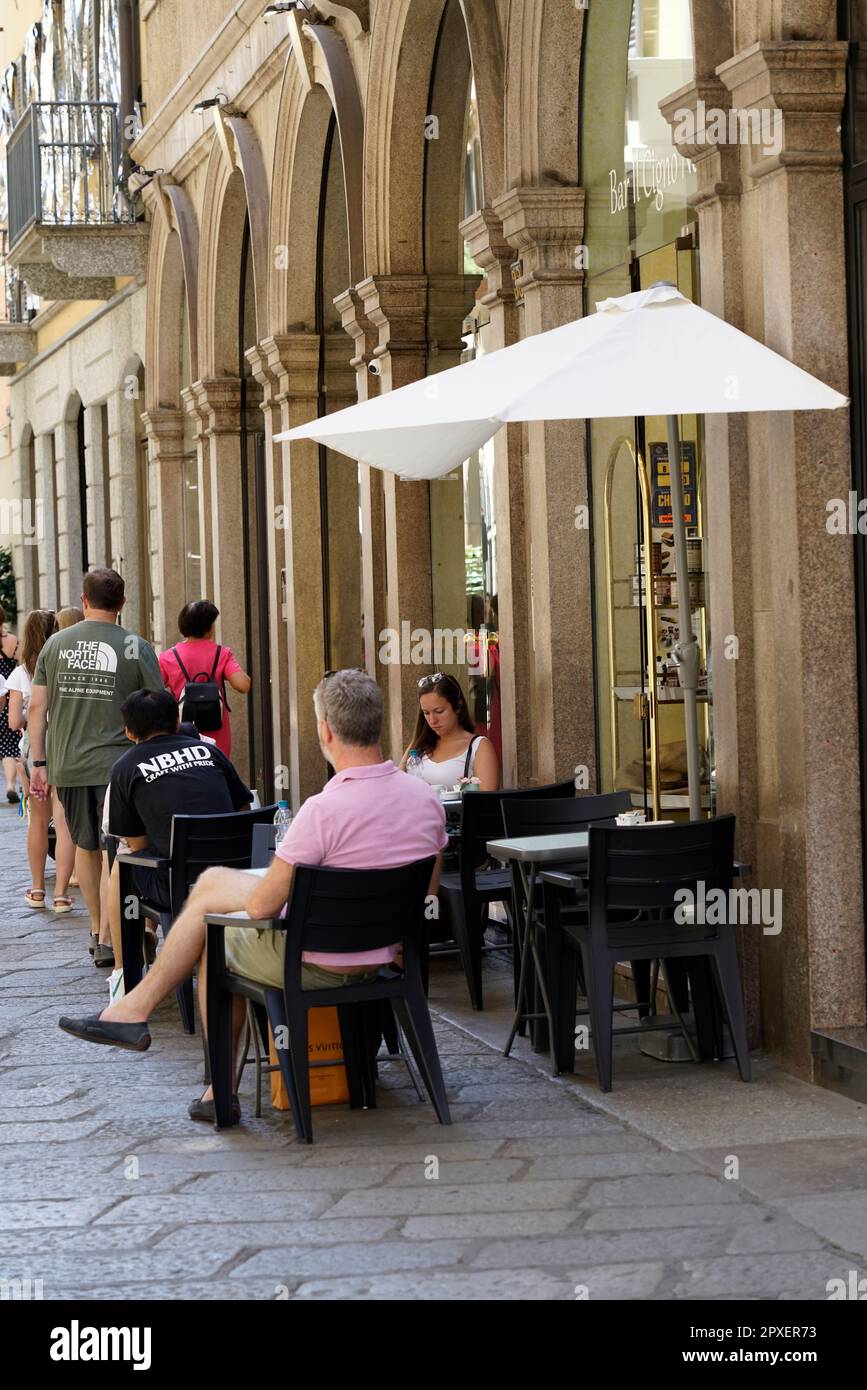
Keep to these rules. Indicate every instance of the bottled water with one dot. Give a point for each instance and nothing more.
(282, 820)
(413, 763)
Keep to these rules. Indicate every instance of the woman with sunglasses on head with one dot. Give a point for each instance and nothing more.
(447, 749)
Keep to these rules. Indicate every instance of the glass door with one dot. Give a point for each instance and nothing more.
(642, 742)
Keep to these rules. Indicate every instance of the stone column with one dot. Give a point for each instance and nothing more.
(365, 337)
(46, 492)
(344, 605)
(165, 437)
(489, 249)
(728, 543)
(265, 360)
(99, 549)
(196, 421)
(808, 823)
(69, 520)
(127, 508)
(397, 307)
(293, 362)
(218, 406)
(32, 537)
(545, 225)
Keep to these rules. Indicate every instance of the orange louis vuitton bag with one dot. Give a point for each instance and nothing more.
(328, 1085)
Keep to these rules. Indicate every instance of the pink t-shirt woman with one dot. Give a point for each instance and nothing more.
(197, 654)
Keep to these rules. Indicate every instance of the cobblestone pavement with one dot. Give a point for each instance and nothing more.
(109, 1191)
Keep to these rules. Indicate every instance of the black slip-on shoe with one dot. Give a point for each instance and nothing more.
(134, 1037)
(103, 956)
(204, 1110)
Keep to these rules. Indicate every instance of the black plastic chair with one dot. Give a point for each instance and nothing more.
(636, 873)
(197, 843)
(526, 816)
(332, 911)
(467, 893)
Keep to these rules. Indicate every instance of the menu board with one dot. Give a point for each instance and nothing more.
(660, 484)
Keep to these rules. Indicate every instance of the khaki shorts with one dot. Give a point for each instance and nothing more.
(258, 955)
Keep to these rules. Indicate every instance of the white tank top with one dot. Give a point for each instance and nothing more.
(451, 771)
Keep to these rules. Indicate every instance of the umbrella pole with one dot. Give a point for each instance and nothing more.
(686, 652)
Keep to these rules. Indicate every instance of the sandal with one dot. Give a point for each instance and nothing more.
(63, 903)
(35, 897)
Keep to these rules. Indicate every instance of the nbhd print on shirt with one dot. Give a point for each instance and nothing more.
(172, 774)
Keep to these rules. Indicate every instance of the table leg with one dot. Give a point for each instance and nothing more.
(520, 1011)
(561, 972)
(704, 1007)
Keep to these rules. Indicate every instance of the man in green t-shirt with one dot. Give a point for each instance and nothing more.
(83, 676)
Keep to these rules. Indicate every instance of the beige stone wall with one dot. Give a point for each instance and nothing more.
(96, 364)
(793, 787)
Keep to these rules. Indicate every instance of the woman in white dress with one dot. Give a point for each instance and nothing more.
(445, 750)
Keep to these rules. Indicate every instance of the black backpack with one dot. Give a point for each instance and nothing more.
(202, 700)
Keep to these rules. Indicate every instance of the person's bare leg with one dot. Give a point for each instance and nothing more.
(217, 890)
(104, 919)
(88, 863)
(10, 772)
(114, 913)
(64, 851)
(239, 1017)
(37, 842)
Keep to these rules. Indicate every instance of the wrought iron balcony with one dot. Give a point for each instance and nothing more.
(69, 209)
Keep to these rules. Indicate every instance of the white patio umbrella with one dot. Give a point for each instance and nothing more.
(613, 363)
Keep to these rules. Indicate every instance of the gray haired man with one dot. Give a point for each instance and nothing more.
(368, 816)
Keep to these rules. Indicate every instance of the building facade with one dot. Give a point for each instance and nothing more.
(72, 333)
(342, 198)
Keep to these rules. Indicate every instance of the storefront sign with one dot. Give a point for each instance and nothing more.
(660, 481)
(649, 177)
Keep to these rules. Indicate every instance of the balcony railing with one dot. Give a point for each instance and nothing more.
(63, 168)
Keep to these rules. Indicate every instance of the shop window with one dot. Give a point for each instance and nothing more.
(641, 229)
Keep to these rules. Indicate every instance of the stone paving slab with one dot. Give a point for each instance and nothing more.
(543, 1192)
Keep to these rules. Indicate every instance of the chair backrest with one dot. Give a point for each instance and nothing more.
(200, 842)
(482, 820)
(264, 847)
(349, 910)
(642, 868)
(533, 816)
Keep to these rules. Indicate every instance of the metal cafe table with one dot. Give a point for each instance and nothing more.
(531, 854)
(562, 860)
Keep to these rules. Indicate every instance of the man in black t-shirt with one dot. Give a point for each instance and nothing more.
(167, 773)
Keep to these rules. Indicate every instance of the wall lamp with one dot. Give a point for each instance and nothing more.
(207, 102)
(139, 178)
(285, 6)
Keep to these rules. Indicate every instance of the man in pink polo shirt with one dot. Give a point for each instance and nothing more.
(369, 816)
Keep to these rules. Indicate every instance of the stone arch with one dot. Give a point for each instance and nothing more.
(168, 292)
(305, 114)
(231, 195)
(74, 404)
(403, 50)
